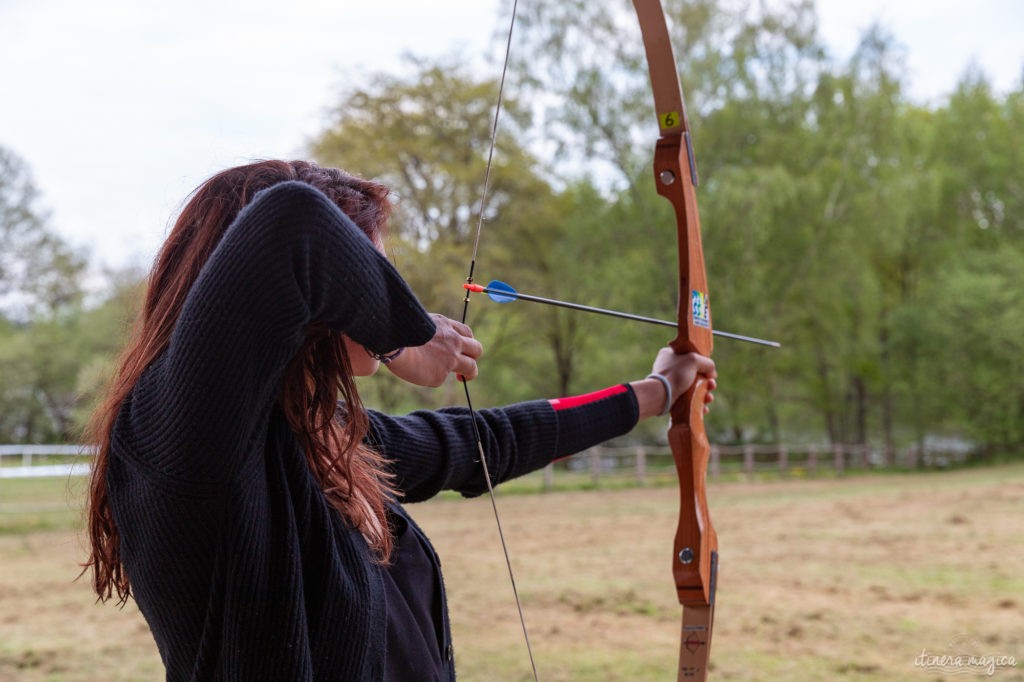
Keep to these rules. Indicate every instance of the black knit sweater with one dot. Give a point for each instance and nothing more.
(241, 568)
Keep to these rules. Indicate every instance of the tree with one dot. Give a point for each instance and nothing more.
(44, 331)
(427, 135)
(746, 72)
(39, 271)
(838, 217)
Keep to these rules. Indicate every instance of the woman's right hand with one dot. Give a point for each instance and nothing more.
(453, 349)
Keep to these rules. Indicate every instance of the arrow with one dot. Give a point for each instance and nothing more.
(499, 292)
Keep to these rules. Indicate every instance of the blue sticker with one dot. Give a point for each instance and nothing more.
(701, 309)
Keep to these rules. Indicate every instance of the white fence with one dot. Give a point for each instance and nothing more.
(636, 462)
(44, 461)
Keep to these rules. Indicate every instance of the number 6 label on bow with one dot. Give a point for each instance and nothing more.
(669, 120)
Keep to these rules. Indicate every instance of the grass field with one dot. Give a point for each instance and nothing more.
(841, 579)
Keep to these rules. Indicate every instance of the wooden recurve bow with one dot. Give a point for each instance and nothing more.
(695, 553)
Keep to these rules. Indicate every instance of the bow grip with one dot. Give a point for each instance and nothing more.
(696, 540)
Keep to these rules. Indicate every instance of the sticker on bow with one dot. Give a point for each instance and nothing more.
(701, 309)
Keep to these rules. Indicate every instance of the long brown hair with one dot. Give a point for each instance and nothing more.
(350, 474)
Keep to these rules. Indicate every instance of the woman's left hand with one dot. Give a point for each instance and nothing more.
(681, 371)
(453, 349)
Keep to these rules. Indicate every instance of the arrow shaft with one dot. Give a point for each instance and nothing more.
(616, 313)
(586, 308)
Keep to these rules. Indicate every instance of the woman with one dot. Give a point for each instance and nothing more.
(257, 520)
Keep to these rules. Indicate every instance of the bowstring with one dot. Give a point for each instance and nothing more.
(465, 310)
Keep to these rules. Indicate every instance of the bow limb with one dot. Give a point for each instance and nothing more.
(695, 554)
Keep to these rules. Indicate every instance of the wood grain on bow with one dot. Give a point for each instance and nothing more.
(695, 554)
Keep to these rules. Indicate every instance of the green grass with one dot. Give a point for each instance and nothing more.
(36, 504)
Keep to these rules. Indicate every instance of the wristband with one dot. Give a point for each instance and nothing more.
(668, 392)
(386, 358)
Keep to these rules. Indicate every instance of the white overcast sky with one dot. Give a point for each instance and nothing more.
(120, 108)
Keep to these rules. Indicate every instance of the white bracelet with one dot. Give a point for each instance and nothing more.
(668, 392)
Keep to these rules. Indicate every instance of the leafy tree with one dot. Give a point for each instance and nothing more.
(49, 338)
(428, 136)
(836, 213)
(881, 241)
(965, 326)
(747, 69)
(39, 272)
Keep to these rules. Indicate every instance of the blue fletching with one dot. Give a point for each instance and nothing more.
(499, 292)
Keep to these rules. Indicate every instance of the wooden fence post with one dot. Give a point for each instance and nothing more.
(837, 449)
(715, 467)
(812, 458)
(641, 465)
(549, 477)
(595, 466)
(783, 459)
(748, 459)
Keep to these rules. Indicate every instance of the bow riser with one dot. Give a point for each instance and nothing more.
(695, 549)
(673, 176)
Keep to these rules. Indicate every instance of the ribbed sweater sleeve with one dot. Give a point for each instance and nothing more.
(437, 450)
(289, 259)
